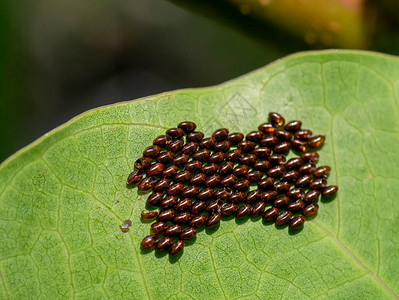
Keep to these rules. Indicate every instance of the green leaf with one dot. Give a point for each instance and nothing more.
(63, 198)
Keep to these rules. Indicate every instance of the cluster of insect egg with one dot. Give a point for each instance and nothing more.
(197, 181)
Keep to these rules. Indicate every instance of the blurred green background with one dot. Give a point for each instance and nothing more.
(61, 58)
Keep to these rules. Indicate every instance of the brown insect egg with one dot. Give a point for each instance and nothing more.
(234, 155)
(276, 171)
(237, 197)
(152, 151)
(267, 128)
(158, 227)
(173, 230)
(276, 119)
(266, 183)
(253, 196)
(155, 169)
(154, 199)
(195, 136)
(187, 126)
(182, 218)
(307, 168)
(303, 134)
(293, 126)
(244, 211)
(213, 180)
(277, 159)
(175, 188)
(229, 180)
(296, 206)
(323, 171)
(134, 177)
(209, 169)
(311, 196)
(143, 163)
(303, 181)
(198, 207)
(220, 134)
(330, 191)
(246, 146)
(222, 193)
(165, 157)
(213, 220)
(282, 201)
(241, 170)
(166, 215)
(316, 141)
(169, 201)
(164, 243)
(198, 221)
(269, 196)
(222, 146)
(242, 185)
(176, 247)
(189, 191)
(217, 157)
(254, 176)
(262, 152)
(297, 223)
(198, 179)
(283, 147)
(176, 133)
(258, 209)
(181, 159)
(295, 193)
(271, 214)
(208, 143)
(188, 233)
(254, 136)
(229, 209)
(193, 165)
(184, 204)
(282, 187)
(290, 176)
(147, 183)
(214, 206)
(170, 171)
(293, 163)
(283, 218)
(299, 146)
(235, 138)
(175, 145)
(248, 159)
(318, 184)
(148, 242)
(206, 193)
(262, 165)
(310, 156)
(189, 148)
(310, 210)
(125, 226)
(162, 140)
(283, 135)
(183, 176)
(269, 141)
(226, 168)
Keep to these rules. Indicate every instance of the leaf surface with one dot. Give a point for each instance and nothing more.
(63, 198)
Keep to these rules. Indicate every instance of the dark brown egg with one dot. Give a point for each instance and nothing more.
(155, 169)
(316, 141)
(175, 133)
(241, 170)
(234, 155)
(152, 151)
(206, 193)
(318, 184)
(330, 191)
(283, 147)
(266, 183)
(158, 227)
(173, 230)
(229, 180)
(165, 157)
(307, 168)
(276, 171)
(248, 159)
(154, 199)
(226, 168)
(276, 119)
(310, 156)
(182, 218)
(296, 193)
(293, 163)
(269, 141)
(175, 188)
(311, 196)
(195, 136)
(229, 209)
(162, 140)
(271, 214)
(282, 187)
(198, 179)
(303, 181)
(282, 201)
(222, 146)
(143, 163)
(213, 220)
(193, 165)
(208, 143)
(210, 169)
(299, 146)
(242, 185)
(303, 134)
(235, 138)
(220, 134)
(283, 218)
(267, 128)
(188, 233)
(269, 196)
(183, 176)
(187, 126)
(148, 215)
(198, 207)
(198, 221)
(164, 243)
(290, 176)
(147, 183)
(189, 148)
(148, 242)
(262, 152)
(161, 185)
(189, 191)
(262, 165)
(246, 146)
(181, 159)
(310, 210)
(293, 126)
(175, 145)
(166, 215)
(277, 159)
(222, 193)
(254, 176)
(253, 196)
(244, 211)
(176, 247)
(237, 197)
(213, 180)
(134, 177)
(169, 201)
(258, 208)
(184, 204)
(217, 157)
(297, 223)
(254, 136)
(283, 135)
(214, 206)
(323, 171)
(296, 206)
